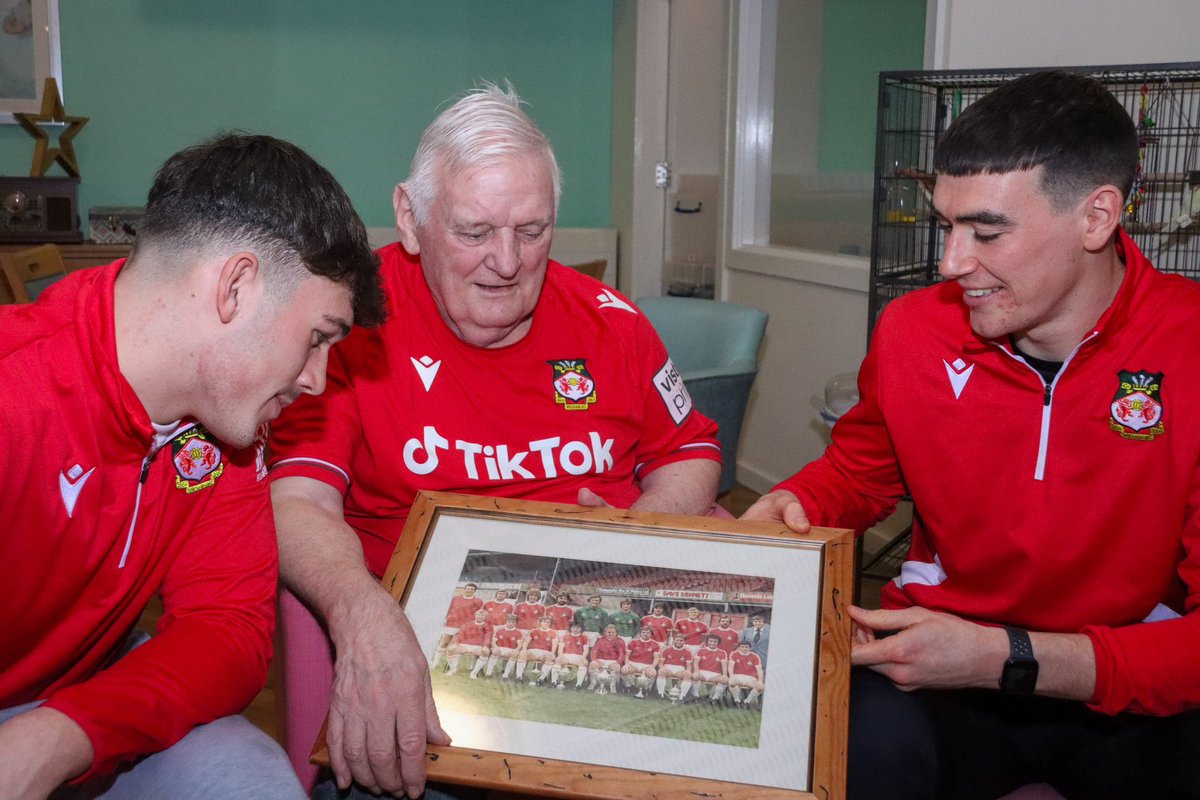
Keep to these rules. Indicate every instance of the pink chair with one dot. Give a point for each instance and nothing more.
(307, 682)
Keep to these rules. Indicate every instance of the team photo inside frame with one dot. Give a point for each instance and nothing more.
(532, 617)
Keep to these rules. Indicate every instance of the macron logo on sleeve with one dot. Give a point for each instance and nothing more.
(609, 300)
(71, 484)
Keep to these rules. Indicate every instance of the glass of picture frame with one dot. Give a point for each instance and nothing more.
(628, 720)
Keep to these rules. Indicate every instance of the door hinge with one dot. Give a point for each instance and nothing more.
(662, 175)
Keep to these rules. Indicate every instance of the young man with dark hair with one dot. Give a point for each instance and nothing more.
(132, 394)
(1035, 405)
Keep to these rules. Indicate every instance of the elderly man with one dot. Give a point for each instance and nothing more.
(498, 373)
(131, 397)
(1039, 407)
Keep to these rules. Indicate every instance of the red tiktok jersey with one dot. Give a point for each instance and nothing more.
(660, 627)
(744, 664)
(588, 398)
(642, 651)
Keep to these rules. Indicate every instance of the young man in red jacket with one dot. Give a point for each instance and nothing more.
(1040, 408)
(134, 407)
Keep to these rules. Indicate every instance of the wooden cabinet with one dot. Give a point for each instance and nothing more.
(79, 256)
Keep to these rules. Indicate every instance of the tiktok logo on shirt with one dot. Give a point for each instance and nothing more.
(422, 456)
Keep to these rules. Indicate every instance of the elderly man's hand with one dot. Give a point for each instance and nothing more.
(930, 650)
(587, 497)
(382, 712)
(780, 506)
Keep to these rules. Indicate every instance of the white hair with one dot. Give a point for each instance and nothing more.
(484, 126)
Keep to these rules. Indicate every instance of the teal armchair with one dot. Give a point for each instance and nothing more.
(714, 345)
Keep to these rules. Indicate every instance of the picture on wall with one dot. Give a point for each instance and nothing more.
(29, 54)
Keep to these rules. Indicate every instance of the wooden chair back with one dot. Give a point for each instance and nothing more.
(593, 269)
(28, 272)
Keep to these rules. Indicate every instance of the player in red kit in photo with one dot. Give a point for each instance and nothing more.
(726, 635)
(539, 648)
(498, 609)
(675, 663)
(506, 644)
(711, 667)
(641, 661)
(693, 628)
(471, 639)
(572, 654)
(745, 672)
(530, 610)
(561, 613)
(608, 653)
(659, 624)
(462, 610)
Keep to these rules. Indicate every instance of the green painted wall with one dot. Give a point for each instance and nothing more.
(352, 81)
(861, 39)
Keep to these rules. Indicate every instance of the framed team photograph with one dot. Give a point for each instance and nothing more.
(588, 652)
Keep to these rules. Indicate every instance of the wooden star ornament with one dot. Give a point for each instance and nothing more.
(52, 111)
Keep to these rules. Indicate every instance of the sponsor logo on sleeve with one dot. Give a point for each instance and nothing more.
(197, 460)
(670, 387)
(574, 388)
(1136, 411)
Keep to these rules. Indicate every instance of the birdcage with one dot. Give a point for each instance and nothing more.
(1162, 212)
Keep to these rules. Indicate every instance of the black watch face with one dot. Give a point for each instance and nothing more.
(1019, 677)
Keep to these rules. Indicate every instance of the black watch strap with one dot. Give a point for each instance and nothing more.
(1019, 644)
(1021, 669)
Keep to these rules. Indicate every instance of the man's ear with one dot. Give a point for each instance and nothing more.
(239, 283)
(406, 220)
(1103, 211)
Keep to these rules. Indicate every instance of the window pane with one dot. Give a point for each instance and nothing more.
(828, 56)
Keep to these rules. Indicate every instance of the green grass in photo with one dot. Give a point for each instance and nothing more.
(649, 716)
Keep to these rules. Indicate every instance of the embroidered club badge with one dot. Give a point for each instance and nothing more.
(1137, 410)
(574, 388)
(197, 460)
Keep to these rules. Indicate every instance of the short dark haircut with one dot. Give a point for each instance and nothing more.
(1066, 123)
(266, 192)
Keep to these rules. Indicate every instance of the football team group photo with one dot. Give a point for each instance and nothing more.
(645, 650)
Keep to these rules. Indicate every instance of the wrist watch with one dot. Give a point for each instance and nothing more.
(1021, 669)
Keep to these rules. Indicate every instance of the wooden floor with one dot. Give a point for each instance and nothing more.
(264, 713)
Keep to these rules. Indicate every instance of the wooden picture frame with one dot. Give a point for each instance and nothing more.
(29, 54)
(792, 746)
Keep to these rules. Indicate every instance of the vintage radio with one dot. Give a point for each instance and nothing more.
(39, 210)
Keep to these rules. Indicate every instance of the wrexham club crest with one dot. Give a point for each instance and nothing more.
(574, 388)
(197, 460)
(1137, 409)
